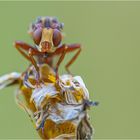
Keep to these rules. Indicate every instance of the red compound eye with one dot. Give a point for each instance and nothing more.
(57, 37)
(37, 35)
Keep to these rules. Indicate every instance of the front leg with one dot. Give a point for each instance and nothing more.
(70, 48)
(28, 52)
(37, 74)
(63, 52)
(31, 53)
(24, 48)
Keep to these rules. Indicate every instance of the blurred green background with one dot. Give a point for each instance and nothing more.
(109, 63)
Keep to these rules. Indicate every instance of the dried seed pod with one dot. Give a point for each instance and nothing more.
(57, 109)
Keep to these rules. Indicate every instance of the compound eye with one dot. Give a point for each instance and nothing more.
(37, 35)
(57, 37)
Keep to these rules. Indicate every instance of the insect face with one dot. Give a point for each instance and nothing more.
(46, 33)
(47, 39)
